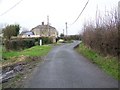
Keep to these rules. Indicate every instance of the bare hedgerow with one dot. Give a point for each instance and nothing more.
(103, 37)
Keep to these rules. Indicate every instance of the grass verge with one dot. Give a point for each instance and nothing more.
(29, 58)
(108, 64)
(11, 57)
(33, 51)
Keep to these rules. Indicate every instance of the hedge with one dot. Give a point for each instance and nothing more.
(45, 40)
(22, 43)
(19, 44)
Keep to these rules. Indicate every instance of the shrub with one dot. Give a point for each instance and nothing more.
(18, 44)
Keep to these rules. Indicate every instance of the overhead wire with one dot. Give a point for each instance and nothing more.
(11, 8)
(80, 13)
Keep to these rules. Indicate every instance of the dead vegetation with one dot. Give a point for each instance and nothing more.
(103, 36)
(21, 71)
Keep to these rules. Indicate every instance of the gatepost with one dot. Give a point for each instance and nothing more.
(40, 42)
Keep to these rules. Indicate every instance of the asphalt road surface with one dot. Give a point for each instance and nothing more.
(65, 68)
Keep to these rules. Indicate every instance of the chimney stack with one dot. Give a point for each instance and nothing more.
(42, 23)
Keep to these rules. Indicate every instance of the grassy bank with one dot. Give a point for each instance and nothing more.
(28, 58)
(34, 51)
(12, 56)
(21, 77)
(108, 64)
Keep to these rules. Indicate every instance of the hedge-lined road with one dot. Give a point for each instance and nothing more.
(64, 68)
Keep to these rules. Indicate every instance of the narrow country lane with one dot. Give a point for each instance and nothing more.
(65, 68)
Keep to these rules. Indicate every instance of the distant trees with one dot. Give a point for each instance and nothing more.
(62, 36)
(70, 37)
(103, 37)
(11, 30)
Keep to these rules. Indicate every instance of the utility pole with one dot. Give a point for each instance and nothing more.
(96, 17)
(63, 31)
(119, 16)
(66, 29)
(119, 26)
(48, 25)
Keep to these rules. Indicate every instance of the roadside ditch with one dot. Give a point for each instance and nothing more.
(13, 76)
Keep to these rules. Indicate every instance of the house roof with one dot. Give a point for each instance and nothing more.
(27, 33)
(43, 27)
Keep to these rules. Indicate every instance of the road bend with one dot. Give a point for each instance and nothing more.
(65, 68)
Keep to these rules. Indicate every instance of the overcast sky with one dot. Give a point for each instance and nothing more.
(30, 13)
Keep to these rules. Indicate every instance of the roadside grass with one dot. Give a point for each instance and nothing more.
(11, 57)
(37, 51)
(33, 51)
(0, 48)
(109, 64)
(28, 58)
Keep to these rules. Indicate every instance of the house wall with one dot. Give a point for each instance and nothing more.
(43, 31)
(36, 31)
(28, 36)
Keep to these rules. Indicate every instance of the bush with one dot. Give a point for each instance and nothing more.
(19, 44)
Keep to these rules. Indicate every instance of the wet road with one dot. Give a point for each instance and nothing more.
(65, 68)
